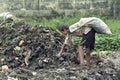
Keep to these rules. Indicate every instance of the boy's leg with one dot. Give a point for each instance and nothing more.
(88, 50)
(81, 55)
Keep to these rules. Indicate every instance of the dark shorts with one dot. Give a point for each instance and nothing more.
(90, 39)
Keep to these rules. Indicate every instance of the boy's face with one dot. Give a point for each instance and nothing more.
(64, 32)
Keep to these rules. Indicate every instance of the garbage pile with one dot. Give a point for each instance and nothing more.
(29, 53)
(22, 43)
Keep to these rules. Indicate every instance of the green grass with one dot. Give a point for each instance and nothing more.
(54, 22)
(114, 25)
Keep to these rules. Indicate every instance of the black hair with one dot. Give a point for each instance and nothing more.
(61, 27)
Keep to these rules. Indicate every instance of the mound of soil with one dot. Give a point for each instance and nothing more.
(29, 52)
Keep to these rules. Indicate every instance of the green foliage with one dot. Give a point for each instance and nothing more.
(76, 40)
(1, 18)
(107, 42)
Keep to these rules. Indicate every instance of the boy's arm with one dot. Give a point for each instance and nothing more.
(63, 46)
(60, 53)
(78, 34)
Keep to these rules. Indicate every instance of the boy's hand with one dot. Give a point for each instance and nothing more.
(58, 55)
(82, 42)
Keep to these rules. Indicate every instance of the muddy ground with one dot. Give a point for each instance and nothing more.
(29, 53)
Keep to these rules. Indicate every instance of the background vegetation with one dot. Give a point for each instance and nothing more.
(103, 41)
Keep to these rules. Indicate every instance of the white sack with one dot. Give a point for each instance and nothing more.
(97, 24)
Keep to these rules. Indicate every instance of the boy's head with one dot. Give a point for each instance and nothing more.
(63, 29)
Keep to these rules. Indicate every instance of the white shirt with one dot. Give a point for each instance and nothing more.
(80, 26)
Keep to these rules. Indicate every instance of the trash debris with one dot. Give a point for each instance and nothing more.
(6, 15)
(12, 78)
(4, 68)
(30, 53)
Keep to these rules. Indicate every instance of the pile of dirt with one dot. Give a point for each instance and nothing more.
(21, 41)
(29, 53)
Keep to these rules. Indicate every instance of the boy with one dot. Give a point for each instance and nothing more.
(88, 40)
